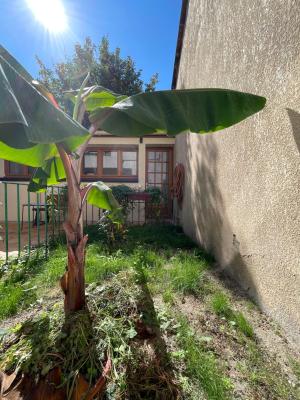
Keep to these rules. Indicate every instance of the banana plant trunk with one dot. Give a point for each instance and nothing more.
(73, 282)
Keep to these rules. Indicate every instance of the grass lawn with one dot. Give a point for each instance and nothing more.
(157, 309)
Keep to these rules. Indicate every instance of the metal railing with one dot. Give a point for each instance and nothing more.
(30, 220)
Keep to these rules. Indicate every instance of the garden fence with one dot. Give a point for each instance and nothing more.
(29, 220)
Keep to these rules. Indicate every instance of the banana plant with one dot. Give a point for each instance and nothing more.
(35, 132)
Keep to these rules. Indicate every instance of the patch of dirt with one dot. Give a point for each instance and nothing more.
(223, 344)
(233, 350)
(51, 297)
(269, 334)
(18, 318)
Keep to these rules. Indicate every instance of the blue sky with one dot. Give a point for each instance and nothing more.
(144, 29)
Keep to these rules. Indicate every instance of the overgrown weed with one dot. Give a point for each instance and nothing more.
(199, 368)
(265, 375)
(221, 305)
(187, 273)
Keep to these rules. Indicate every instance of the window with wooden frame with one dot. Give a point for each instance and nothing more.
(17, 171)
(111, 163)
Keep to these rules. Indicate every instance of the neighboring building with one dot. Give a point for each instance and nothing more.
(136, 162)
(242, 191)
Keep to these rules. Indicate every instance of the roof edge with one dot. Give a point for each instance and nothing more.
(181, 31)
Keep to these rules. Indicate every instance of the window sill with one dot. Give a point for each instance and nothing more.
(83, 179)
(134, 179)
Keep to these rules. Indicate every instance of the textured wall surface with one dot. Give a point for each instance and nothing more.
(242, 192)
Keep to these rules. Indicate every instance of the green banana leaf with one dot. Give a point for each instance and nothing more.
(51, 173)
(175, 111)
(100, 195)
(36, 155)
(29, 124)
(94, 97)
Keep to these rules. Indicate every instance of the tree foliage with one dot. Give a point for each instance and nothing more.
(107, 68)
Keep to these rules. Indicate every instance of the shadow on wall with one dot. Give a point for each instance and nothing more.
(295, 122)
(204, 214)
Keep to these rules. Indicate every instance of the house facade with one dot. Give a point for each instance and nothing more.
(136, 162)
(242, 191)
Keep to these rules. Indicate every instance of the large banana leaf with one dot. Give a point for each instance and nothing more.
(29, 124)
(175, 111)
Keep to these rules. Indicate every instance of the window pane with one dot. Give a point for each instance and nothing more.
(129, 163)
(151, 167)
(110, 163)
(150, 178)
(158, 167)
(158, 179)
(90, 163)
(159, 156)
(129, 168)
(151, 155)
(129, 155)
(16, 169)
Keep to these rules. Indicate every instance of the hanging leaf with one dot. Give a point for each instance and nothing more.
(100, 195)
(51, 173)
(29, 124)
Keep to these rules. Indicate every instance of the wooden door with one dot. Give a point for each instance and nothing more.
(159, 173)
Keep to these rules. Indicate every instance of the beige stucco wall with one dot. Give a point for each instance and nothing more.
(242, 193)
(92, 213)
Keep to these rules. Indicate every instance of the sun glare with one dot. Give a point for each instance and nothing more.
(49, 13)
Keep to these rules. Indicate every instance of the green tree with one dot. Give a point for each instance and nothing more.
(107, 68)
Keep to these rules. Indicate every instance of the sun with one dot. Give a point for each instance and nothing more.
(50, 13)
